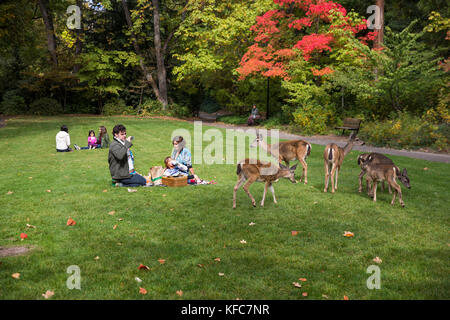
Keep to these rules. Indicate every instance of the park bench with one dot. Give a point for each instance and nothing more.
(350, 124)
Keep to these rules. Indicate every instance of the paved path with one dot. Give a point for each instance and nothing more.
(341, 141)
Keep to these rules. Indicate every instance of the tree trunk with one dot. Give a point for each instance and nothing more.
(379, 39)
(160, 67)
(147, 73)
(78, 43)
(48, 21)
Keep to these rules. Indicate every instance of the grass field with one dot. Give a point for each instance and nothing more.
(192, 226)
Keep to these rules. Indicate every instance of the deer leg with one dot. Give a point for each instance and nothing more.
(241, 180)
(305, 170)
(375, 185)
(264, 194)
(397, 189)
(246, 186)
(382, 186)
(337, 174)
(361, 175)
(327, 176)
(333, 171)
(389, 188)
(273, 193)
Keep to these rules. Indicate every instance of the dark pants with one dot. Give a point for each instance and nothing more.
(136, 180)
(65, 150)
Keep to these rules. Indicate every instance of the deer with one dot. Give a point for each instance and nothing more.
(333, 157)
(287, 151)
(251, 170)
(383, 172)
(378, 158)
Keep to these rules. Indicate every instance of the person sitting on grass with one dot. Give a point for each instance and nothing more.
(103, 138)
(121, 160)
(92, 142)
(176, 169)
(63, 140)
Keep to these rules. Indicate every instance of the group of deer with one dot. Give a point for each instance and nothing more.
(376, 167)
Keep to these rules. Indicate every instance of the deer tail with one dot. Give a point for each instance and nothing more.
(397, 171)
(308, 149)
(238, 169)
(330, 154)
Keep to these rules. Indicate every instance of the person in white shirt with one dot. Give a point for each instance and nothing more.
(63, 140)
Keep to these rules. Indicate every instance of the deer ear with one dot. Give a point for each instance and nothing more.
(404, 172)
(359, 159)
(293, 167)
(282, 166)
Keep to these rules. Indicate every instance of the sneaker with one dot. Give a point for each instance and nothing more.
(118, 184)
(77, 147)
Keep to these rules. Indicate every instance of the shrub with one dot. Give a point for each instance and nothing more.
(406, 131)
(233, 119)
(13, 103)
(46, 107)
(151, 107)
(114, 107)
(313, 119)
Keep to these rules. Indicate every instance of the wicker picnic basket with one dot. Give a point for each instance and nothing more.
(175, 181)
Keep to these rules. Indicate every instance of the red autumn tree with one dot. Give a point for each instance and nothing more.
(309, 29)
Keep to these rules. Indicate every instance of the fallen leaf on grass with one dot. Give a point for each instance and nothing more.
(217, 259)
(425, 169)
(96, 258)
(48, 190)
(111, 213)
(9, 192)
(377, 260)
(325, 296)
(302, 279)
(305, 294)
(143, 267)
(142, 291)
(221, 274)
(294, 233)
(200, 265)
(164, 195)
(48, 294)
(243, 241)
(348, 234)
(138, 280)
(296, 284)
(179, 292)
(115, 227)
(71, 222)
(30, 226)
(251, 224)
(23, 236)
(105, 190)
(161, 261)
(132, 190)
(120, 219)
(345, 298)
(16, 275)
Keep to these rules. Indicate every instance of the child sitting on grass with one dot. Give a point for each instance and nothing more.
(176, 169)
(92, 140)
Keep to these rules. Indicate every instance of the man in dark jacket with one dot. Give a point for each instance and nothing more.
(121, 161)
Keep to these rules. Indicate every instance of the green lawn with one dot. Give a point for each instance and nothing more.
(196, 224)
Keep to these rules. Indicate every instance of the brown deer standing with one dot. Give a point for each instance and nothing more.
(287, 151)
(251, 170)
(333, 157)
(378, 158)
(384, 172)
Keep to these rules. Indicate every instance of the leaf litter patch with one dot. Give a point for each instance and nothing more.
(13, 251)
